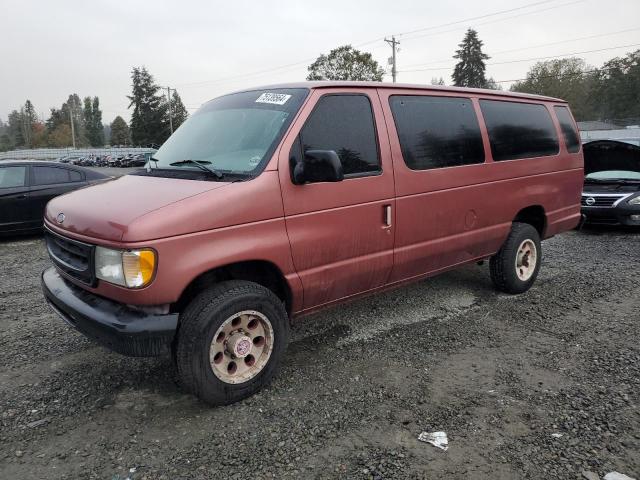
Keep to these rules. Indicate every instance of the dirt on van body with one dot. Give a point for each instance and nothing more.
(541, 385)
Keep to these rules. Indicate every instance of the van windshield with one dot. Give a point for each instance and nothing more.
(233, 134)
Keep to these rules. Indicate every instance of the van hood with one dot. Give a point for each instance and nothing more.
(109, 210)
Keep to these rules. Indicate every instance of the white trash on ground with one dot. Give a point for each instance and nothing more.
(556, 435)
(617, 476)
(438, 439)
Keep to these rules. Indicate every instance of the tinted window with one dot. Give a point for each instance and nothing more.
(75, 176)
(344, 123)
(436, 132)
(11, 177)
(571, 137)
(519, 130)
(49, 175)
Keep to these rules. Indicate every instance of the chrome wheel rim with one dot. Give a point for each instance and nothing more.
(526, 260)
(241, 347)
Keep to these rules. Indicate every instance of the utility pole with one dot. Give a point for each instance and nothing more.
(170, 112)
(393, 42)
(73, 129)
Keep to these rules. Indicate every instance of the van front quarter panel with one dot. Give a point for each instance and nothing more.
(237, 223)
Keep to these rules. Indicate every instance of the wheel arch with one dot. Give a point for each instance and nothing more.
(262, 272)
(535, 216)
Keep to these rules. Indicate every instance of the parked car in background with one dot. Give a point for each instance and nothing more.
(138, 160)
(26, 187)
(611, 194)
(267, 204)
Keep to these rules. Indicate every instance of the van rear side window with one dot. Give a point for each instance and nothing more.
(571, 137)
(519, 130)
(437, 132)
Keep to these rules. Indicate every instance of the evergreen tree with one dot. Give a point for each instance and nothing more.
(178, 111)
(346, 63)
(29, 119)
(119, 132)
(15, 130)
(148, 120)
(470, 69)
(97, 129)
(87, 114)
(93, 121)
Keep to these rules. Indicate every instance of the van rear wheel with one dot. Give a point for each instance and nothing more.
(515, 267)
(231, 341)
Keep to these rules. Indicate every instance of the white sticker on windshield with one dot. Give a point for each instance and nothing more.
(274, 98)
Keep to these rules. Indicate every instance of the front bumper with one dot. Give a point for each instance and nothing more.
(618, 215)
(114, 325)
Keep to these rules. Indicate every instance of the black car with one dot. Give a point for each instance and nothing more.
(611, 193)
(27, 186)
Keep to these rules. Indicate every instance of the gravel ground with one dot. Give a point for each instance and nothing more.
(499, 374)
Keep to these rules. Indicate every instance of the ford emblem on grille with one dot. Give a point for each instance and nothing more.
(60, 217)
(589, 201)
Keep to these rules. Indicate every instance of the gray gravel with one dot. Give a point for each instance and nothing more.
(499, 374)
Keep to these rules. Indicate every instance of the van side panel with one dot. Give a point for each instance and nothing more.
(447, 216)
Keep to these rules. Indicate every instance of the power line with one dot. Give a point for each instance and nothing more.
(306, 61)
(534, 46)
(497, 20)
(573, 74)
(433, 27)
(530, 59)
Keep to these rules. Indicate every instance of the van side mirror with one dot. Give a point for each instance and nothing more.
(318, 166)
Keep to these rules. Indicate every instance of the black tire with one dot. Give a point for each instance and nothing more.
(503, 264)
(200, 321)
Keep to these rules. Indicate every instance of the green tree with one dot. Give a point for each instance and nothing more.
(15, 130)
(437, 81)
(470, 69)
(148, 120)
(93, 121)
(178, 111)
(119, 132)
(565, 78)
(617, 88)
(29, 120)
(346, 63)
(74, 109)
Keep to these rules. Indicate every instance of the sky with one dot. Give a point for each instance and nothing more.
(205, 48)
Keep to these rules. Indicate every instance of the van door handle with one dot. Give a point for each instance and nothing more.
(387, 216)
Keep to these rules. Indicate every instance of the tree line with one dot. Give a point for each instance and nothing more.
(611, 92)
(82, 120)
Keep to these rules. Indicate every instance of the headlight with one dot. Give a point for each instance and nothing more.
(127, 268)
(635, 200)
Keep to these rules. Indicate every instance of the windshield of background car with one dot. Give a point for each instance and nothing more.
(234, 134)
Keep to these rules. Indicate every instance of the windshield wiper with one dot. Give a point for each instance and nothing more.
(200, 165)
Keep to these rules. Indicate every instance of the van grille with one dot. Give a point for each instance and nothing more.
(599, 200)
(71, 256)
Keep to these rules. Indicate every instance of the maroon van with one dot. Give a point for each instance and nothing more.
(278, 201)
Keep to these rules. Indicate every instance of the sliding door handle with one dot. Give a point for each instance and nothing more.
(387, 216)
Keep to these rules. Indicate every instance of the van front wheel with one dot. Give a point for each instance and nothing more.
(231, 340)
(515, 267)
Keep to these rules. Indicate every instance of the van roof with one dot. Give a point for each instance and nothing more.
(406, 86)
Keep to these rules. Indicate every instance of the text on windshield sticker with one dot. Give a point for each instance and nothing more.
(274, 98)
